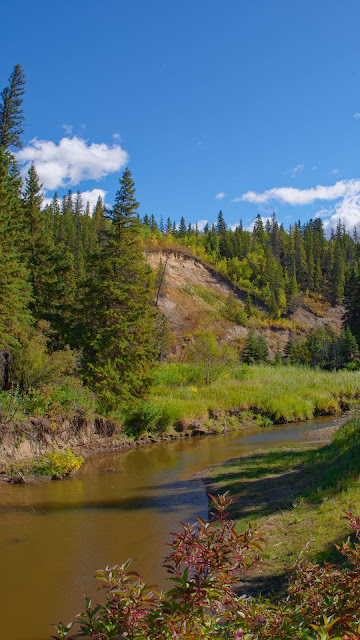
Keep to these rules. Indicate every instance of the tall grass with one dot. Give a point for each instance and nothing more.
(284, 394)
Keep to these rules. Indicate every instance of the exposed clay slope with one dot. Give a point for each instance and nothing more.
(193, 294)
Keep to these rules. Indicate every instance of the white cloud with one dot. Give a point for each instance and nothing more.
(90, 197)
(116, 136)
(296, 170)
(220, 196)
(67, 128)
(201, 224)
(356, 115)
(264, 221)
(347, 211)
(333, 172)
(293, 196)
(71, 161)
(344, 193)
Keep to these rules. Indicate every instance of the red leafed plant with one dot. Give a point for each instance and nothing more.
(205, 563)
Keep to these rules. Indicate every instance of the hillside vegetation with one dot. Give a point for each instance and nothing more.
(87, 326)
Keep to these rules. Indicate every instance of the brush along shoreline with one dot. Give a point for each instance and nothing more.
(23, 446)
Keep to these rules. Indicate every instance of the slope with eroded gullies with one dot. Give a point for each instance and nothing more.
(194, 295)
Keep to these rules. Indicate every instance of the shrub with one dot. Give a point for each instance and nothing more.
(55, 464)
(34, 366)
(214, 358)
(204, 564)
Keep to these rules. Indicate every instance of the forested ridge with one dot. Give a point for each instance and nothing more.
(78, 319)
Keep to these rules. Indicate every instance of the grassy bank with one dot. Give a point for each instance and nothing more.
(296, 497)
(280, 394)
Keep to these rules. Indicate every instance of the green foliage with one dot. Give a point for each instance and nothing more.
(176, 374)
(352, 306)
(34, 365)
(324, 348)
(214, 358)
(301, 392)
(10, 405)
(66, 396)
(235, 312)
(118, 316)
(15, 318)
(55, 464)
(255, 348)
(11, 114)
(149, 416)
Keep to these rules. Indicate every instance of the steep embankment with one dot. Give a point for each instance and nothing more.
(193, 294)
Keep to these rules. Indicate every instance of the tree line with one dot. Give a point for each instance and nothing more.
(70, 276)
(272, 263)
(74, 281)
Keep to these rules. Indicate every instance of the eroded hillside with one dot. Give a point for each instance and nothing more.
(193, 295)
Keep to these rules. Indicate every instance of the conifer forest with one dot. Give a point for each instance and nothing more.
(121, 328)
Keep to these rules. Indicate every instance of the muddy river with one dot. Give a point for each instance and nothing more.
(53, 536)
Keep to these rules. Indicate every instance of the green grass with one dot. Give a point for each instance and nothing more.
(283, 394)
(296, 497)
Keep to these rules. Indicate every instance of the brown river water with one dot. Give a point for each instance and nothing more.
(53, 536)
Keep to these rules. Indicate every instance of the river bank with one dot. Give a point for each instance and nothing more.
(25, 445)
(55, 535)
(296, 496)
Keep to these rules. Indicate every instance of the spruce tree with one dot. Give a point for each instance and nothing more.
(348, 346)
(221, 224)
(11, 113)
(15, 318)
(182, 228)
(338, 275)
(119, 317)
(42, 257)
(352, 309)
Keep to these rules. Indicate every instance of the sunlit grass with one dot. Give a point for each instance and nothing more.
(296, 497)
(285, 394)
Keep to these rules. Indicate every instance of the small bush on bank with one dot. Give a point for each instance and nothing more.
(205, 563)
(55, 464)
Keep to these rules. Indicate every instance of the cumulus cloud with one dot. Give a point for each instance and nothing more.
(344, 193)
(347, 211)
(264, 221)
(220, 196)
(71, 160)
(90, 197)
(201, 224)
(294, 196)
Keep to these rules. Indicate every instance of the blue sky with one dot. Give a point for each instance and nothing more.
(254, 101)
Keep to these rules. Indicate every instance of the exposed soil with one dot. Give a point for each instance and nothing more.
(186, 311)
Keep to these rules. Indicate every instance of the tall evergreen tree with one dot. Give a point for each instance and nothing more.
(119, 316)
(352, 309)
(11, 113)
(42, 257)
(221, 224)
(15, 319)
(182, 228)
